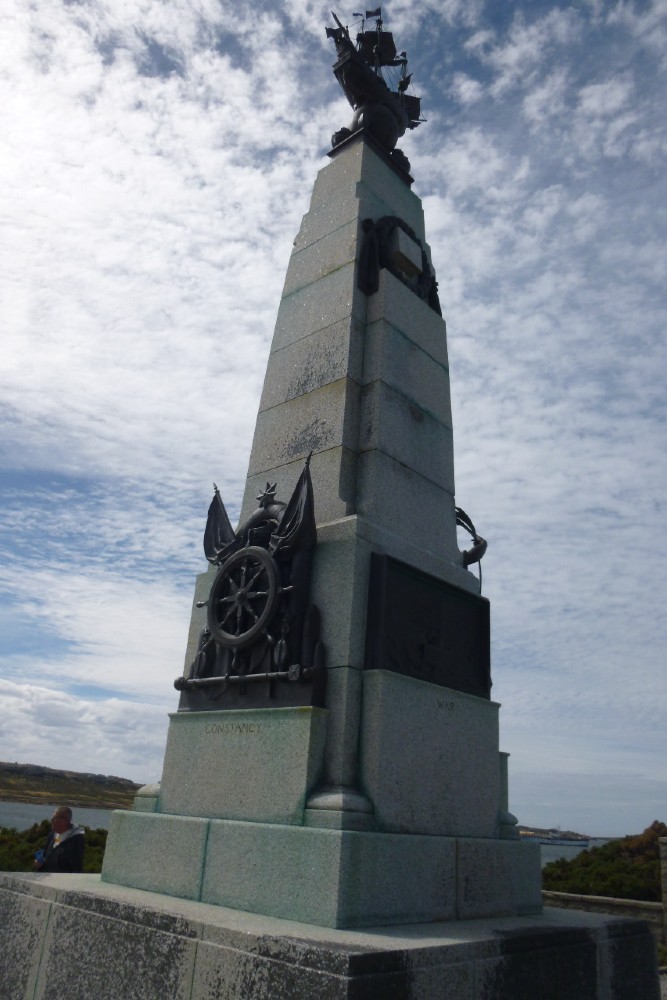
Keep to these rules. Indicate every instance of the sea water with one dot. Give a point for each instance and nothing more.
(22, 815)
(554, 852)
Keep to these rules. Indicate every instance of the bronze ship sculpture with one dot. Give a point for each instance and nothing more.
(381, 103)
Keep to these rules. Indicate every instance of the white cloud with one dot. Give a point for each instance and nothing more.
(104, 736)
(465, 89)
(546, 101)
(155, 165)
(600, 100)
(518, 57)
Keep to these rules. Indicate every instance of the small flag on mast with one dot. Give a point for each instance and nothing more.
(218, 532)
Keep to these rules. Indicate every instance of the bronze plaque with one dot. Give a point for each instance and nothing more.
(424, 628)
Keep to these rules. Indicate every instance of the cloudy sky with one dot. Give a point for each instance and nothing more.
(155, 161)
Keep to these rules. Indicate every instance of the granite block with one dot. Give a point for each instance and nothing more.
(398, 361)
(341, 565)
(484, 878)
(631, 960)
(405, 311)
(381, 192)
(86, 955)
(334, 476)
(248, 764)
(446, 982)
(336, 249)
(388, 879)
(315, 361)
(403, 430)
(387, 541)
(160, 853)
(330, 878)
(429, 757)
(334, 202)
(525, 867)
(279, 941)
(156, 911)
(357, 183)
(230, 974)
(276, 870)
(22, 928)
(550, 964)
(110, 942)
(325, 418)
(386, 487)
(333, 298)
(29, 884)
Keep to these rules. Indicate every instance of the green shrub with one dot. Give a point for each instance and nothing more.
(627, 868)
(17, 848)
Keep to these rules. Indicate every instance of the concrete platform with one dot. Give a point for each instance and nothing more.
(75, 938)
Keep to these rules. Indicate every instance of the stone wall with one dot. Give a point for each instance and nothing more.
(652, 913)
(74, 937)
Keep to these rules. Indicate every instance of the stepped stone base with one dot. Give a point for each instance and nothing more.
(74, 937)
(328, 877)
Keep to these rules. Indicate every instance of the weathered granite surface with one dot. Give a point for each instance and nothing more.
(92, 940)
(322, 874)
(429, 757)
(253, 765)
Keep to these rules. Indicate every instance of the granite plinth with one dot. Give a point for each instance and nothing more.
(250, 764)
(102, 941)
(319, 875)
(157, 852)
(429, 757)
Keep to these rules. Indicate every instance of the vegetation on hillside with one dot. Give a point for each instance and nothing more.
(17, 849)
(39, 785)
(626, 869)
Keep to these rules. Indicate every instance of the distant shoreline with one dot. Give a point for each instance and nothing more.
(34, 784)
(535, 832)
(75, 801)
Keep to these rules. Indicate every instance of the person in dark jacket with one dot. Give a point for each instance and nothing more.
(63, 851)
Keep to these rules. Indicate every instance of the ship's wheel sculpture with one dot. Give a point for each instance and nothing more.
(260, 623)
(244, 598)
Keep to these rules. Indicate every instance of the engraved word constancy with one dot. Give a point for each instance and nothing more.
(224, 728)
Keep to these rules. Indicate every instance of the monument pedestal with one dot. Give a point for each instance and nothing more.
(238, 822)
(327, 877)
(74, 937)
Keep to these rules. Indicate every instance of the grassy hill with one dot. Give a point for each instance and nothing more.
(37, 784)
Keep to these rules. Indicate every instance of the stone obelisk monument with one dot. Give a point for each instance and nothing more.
(332, 819)
(357, 781)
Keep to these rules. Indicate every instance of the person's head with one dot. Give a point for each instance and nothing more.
(61, 819)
